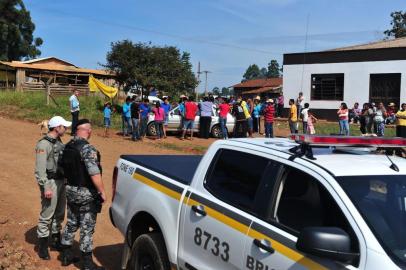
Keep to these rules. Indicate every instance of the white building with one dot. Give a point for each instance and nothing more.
(371, 72)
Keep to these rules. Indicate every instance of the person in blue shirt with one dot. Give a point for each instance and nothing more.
(107, 118)
(167, 107)
(126, 117)
(144, 112)
(257, 114)
(182, 101)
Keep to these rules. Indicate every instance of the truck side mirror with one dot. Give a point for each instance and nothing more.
(327, 242)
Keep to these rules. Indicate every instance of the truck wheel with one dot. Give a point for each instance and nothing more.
(149, 252)
(216, 132)
(151, 129)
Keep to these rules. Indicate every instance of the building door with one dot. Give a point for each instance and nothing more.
(385, 88)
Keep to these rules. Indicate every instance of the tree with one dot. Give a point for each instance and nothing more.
(144, 65)
(274, 71)
(216, 91)
(252, 72)
(398, 25)
(263, 73)
(225, 92)
(16, 32)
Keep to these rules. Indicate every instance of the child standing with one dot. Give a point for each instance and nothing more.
(305, 116)
(159, 117)
(107, 118)
(311, 119)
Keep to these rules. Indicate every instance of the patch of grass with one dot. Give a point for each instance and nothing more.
(32, 107)
(197, 149)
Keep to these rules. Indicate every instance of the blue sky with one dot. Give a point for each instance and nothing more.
(226, 36)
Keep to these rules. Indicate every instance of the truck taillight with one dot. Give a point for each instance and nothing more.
(114, 183)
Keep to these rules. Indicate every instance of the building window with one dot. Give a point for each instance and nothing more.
(327, 86)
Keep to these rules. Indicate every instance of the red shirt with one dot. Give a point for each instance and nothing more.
(224, 109)
(190, 110)
(269, 113)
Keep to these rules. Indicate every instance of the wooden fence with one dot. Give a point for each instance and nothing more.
(56, 89)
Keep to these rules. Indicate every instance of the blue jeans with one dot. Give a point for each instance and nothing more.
(223, 122)
(159, 129)
(126, 125)
(143, 124)
(304, 127)
(344, 127)
(268, 130)
(136, 131)
(380, 128)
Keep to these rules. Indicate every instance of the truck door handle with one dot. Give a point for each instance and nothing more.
(199, 209)
(264, 244)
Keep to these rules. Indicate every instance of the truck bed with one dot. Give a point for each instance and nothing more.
(177, 167)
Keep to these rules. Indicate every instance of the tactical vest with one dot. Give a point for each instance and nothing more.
(74, 166)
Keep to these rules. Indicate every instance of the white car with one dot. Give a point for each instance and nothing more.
(174, 123)
(260, 204)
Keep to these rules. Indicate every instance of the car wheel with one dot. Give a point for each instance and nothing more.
(151, 129)
(216, 132)
(149, 252)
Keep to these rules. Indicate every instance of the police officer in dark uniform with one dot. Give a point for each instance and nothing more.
(84, 193)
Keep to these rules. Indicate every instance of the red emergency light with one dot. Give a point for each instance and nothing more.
(351, 141)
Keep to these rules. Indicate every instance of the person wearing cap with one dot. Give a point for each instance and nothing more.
(51, 184)
(85, 195)
(269, 115)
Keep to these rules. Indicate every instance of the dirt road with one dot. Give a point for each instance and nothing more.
(20, 197)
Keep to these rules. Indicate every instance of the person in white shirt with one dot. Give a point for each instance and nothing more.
(74, 110)
(300, 103)
(305, 116)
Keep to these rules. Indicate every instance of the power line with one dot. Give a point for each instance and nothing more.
(195, 40)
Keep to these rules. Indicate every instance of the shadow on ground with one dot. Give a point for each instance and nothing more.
(109, 256)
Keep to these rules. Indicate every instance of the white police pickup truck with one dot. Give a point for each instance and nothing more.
(263, 204)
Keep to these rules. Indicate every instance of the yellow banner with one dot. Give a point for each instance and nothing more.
(96, 85)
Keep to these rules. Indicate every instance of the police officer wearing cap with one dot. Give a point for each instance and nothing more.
(85, 195)
(51, 183)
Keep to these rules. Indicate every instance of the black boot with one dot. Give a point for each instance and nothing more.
(43, 248)
(56, 241)
(87, 262)
(67, 256)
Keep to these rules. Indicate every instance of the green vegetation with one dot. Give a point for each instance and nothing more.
(32, 107)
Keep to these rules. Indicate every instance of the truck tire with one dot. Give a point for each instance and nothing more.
(151, 129)
(216, 132)
(149, 252)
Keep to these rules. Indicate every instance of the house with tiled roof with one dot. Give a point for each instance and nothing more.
(372, 72)
(267, 87)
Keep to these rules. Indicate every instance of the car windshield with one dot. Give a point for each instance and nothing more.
(381, 200)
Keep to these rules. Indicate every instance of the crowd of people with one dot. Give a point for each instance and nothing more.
(248, 113)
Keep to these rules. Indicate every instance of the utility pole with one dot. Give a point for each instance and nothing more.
(205, 84)
(198, 81)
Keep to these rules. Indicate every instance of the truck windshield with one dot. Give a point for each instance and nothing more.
(381, 200)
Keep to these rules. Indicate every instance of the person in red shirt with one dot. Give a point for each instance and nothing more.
(190, 114)
(269, 114)
(224, 109)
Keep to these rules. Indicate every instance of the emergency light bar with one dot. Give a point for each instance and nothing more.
(351, 141)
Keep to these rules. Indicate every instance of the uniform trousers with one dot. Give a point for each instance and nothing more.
(52, 210)
(80, 216)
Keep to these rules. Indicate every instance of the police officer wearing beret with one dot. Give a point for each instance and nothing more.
(51, 183)
(85, 195)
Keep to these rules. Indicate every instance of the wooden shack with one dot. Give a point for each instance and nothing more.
(60, 76)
